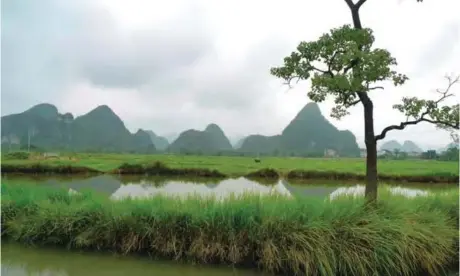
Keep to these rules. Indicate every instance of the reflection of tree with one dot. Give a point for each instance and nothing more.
(143, 180)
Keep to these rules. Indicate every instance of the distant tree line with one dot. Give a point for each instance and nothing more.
(451, 154)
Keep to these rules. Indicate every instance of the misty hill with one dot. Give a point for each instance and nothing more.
(391, 145)
(142, 142)
(239, 143)
(448, 146)
(260, 144)
(407, 146)
(98, 130)
(161, 143)
(211, 140)
(309, 133)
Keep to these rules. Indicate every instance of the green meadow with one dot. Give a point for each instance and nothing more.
(239, 166)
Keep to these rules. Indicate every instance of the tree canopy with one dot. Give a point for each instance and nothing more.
(344, 64)
(328, 63)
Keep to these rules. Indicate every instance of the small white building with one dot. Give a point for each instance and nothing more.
(51, 154)
(330, 153)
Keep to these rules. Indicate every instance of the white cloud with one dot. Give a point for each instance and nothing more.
(169, 66)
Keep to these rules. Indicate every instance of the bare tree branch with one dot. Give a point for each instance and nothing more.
(290, 79)
(444, 94)
(358, 5)
(354, 103)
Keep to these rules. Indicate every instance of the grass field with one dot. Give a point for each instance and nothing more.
(399, 236)
(237, 166)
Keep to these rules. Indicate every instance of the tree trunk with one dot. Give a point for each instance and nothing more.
(369, 135)
(371, 151)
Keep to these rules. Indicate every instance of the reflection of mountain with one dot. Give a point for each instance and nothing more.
(221, 190)
(319, 191)
(137, 187)
(104, 184)
(212, 185)
(184, 189)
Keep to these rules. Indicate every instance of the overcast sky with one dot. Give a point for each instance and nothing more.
(172, 65)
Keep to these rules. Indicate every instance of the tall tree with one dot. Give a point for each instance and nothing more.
(344, 64)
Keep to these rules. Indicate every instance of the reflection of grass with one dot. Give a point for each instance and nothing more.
(398, 236)
(159, 181)
(245, 165)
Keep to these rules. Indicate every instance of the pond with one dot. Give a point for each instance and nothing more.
(18, 260)
(118, 187)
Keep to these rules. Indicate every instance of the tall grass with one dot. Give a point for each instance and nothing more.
(399, 236)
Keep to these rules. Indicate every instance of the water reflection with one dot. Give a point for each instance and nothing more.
(136, 186)
(221, 190)
(359, 190)
(20, 261)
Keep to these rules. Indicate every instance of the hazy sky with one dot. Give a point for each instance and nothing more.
(173, 65)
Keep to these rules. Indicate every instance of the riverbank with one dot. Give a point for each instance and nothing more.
(278, 235)
(160, 169)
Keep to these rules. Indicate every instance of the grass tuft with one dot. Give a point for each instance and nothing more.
(398, 236)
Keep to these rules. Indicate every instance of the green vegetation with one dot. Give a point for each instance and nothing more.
(345, 65)
(352, 168)
(17, 155)
(398, 236)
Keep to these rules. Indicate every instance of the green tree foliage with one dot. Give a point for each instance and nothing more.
(345, 65)
(328, 61)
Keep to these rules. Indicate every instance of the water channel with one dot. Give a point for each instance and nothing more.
(135, 186)
(18, 260)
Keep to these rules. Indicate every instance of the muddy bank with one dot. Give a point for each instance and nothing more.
(299, 174)
(267, 174)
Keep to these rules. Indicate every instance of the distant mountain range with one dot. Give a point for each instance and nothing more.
(101, 130)
(309, 133)
(409, 146)
(98, 130)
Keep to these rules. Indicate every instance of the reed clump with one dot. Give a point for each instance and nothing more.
(279, 235)
(37, 168)
(264, 173)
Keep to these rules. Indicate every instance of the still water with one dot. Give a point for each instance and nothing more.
(117, 187)
(21, 261)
